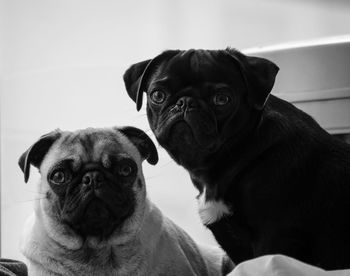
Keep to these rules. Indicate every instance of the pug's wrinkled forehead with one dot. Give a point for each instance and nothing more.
(90, 145)
(195, 67)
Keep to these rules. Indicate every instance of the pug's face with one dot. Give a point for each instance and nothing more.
(92, 180)
(199, 100)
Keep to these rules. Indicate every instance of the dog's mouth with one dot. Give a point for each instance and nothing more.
(97, 218)
(188, 130)
(189, 137)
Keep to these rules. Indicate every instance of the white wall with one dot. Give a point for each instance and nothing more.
(63, 62)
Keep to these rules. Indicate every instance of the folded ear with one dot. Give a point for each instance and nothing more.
(259, 76)
(36, 153)
(136, 77)
(132, 79)
(142, 142)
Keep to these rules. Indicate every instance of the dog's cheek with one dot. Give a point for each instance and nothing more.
(139, 184)
(50, 203)
(139, 190)
(149, 113)
(153, 117)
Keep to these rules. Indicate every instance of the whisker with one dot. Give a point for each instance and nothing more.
(159, 147)
(76, 199)
(35, 192)
(29, 200)
(128, 109)
(139, 116)
(149, 131)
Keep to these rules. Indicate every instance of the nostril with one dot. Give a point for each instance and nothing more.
(186, 103)
(94, 178)
(180, 103)
(86, 180)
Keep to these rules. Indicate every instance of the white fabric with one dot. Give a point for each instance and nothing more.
(278, 265)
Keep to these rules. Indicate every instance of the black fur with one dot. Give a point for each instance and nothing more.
(286, 180)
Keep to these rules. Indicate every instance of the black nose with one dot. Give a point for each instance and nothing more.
(93, 179)
(186, 103)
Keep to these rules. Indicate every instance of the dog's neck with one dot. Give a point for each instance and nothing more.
(224, 166)
(122, 256)
(273, 129)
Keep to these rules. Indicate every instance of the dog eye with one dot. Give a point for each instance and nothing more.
(158, 96)
(221, 99)
(59, 177)
(125, 170)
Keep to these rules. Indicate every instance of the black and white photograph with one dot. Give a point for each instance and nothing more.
(174, 138)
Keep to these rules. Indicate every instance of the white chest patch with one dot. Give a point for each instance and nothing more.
(211, 211)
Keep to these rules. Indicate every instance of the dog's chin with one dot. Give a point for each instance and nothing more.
(98, 220)
(186, 145)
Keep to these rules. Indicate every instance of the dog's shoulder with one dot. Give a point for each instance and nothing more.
(31, 245)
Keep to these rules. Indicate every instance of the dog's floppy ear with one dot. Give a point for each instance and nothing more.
(259, 76)
(132, 80)
(135, 78)
(142, 142)
(36, 153)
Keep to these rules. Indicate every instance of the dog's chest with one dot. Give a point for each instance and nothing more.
(101, 262)
(211, 210)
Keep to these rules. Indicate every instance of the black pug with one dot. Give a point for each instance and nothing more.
(270, 179)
